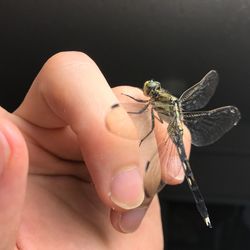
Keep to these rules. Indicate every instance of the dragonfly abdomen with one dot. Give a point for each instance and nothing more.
(193, 186)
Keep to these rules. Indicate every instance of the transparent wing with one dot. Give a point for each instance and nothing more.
(199, 94)
(206, 127)
(165, 164)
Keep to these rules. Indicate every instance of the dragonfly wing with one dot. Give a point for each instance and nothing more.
(199, 94)
(206, 127)
(164, 162)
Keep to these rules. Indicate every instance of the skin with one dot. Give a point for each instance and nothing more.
(58, 174)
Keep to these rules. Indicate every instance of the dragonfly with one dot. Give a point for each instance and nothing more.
(205, 127)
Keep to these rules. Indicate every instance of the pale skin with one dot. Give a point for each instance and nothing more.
(63, 174)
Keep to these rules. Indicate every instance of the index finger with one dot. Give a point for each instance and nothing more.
(71, 90)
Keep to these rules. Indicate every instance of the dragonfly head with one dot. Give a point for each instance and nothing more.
(151, 88)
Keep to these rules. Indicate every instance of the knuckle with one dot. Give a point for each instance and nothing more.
(63, 68)
(69, 57)
(68, 62)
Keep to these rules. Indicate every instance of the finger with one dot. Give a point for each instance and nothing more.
(71, 90)
(13, 174)
(130, 221)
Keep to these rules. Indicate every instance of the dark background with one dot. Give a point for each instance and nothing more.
(176, 42)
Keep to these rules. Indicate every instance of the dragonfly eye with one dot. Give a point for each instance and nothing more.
(151, 88)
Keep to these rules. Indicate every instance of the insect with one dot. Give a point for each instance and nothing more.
(205, 127)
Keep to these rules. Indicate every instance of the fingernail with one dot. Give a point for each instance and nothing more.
(127, 188)
(131, 220)
(4, 151)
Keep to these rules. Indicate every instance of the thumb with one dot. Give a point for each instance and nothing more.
(13, 174)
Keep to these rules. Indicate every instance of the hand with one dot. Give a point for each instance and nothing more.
(64, 177)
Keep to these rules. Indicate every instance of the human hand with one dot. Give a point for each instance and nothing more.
(64, 177)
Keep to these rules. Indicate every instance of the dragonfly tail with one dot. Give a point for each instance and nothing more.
(193, 186)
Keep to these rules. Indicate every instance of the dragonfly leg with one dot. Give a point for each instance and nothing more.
(135, 99)
(139, 111)
(152, 126)
(159, 119)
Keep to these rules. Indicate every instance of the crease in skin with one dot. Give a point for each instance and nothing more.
(25, 111)
(56, 135)
(49, 106)
(58, 165)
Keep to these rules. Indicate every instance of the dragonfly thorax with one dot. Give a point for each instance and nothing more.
(151, 88)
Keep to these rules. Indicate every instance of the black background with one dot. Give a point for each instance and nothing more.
(174, 41)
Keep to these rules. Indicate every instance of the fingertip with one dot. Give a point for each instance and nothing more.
(129, 221)
(175, 179)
